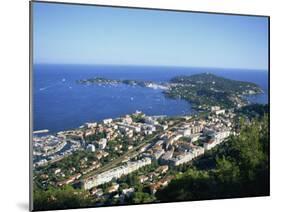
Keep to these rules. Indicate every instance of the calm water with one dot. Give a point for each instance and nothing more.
(60, 103)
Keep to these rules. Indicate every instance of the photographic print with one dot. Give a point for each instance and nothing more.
(137, 105)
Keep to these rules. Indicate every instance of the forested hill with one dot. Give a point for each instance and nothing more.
(214, 82)
(205, 90)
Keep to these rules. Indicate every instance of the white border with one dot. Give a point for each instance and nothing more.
(14, 88)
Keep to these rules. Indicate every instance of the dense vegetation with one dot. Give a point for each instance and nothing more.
(202, 90)
(253, 111)
(65, 198)
(239, 168)
(209, 90)
(219, 83)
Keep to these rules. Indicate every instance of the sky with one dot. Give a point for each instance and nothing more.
(78, 34)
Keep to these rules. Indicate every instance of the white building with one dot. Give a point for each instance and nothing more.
(91, 148)
(209, 145)
(158, 153)
(197, 151)
(124, 127)
(150, 120)
(194, 137)
(218, 112)
(185, 131)
(91, 125)
(102, 143)
(128, 192)
(180, 159)
(57, 171)
(163, 127)
(107, 121)
(220, 136)
(116, 173)
(127, 120)
(215, 108)
(166, 157)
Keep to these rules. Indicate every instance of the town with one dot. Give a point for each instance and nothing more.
(97, 156)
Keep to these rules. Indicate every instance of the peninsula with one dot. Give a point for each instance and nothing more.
(203, 90)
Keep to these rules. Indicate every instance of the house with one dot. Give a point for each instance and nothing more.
(142, 178)
(91, 148)
(209, 144)
(102, 143)
(162, 169)
(218, 112)
(113, 188)
(128, 192)
(57, 171)
(215, 108)
(107, 121)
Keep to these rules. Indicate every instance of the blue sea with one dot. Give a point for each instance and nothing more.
(59, 103)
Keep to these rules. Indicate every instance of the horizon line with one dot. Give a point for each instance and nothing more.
(153, 65)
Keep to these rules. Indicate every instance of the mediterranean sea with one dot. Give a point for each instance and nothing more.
(59, 103)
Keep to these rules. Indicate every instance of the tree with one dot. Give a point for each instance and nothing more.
(64, 198)
(142, 197)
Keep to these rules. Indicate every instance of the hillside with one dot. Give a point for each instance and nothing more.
(204, 90)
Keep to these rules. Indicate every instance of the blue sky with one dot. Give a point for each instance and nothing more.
(77, 34)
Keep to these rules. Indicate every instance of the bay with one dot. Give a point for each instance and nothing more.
(59, 103)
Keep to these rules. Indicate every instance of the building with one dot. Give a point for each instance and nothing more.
(196, 128)
(157, 153)
(185, 131)
(69, 180)
(217, 138)
(113, 188)
(91, 125)
(221, 135)
(127, 120)
(150, 120)
(209, 145)
(166, 157)
(208, 131)
(163, 127)
(181, 159)
(124, 127)
(128, 192)
(160, 184)
(218, 112)
(143, 178)
(194, 137)
(101, 143)
(57, 171)
(197, 151)
(91, 148)
(89, 132)
(148, 128)
(215, 108)
(107, 121)
(114, 173)
(162, 169)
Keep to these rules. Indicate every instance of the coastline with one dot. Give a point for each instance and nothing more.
(134, 99)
